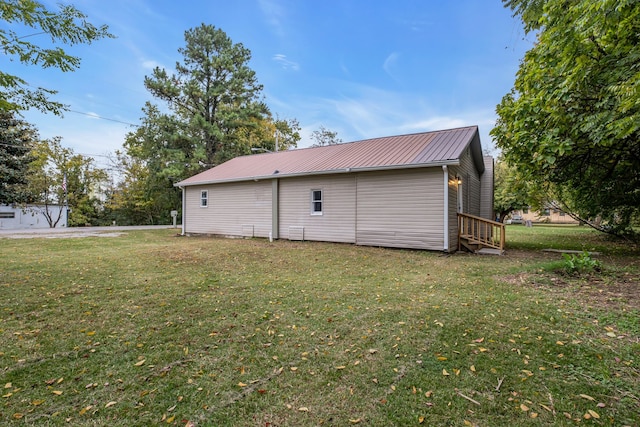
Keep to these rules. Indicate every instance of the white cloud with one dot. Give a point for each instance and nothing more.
(274, 14)
(286, 63)
(360, 112)
(389, 64)
(150, 64)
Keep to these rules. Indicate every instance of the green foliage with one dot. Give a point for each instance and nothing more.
(573, 117)
(16, 138)
(580, 263)
(84, 183)
(324, 136)
(214, 115)
(213, 96)
(511, 192)
(68, 26)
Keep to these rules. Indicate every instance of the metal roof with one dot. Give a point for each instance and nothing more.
(391, 152)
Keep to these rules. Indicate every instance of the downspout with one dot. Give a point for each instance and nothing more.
(275, 215)
(446, 208)
(184, 205)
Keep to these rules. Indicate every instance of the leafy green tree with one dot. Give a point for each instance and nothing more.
(213, 95)
(16, 140)
(55, 167)
(68, 26)
(214, 114)
(510, 191)
(134, 200)
(324, 136)
(572, 119)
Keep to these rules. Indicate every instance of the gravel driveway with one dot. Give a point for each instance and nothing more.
(69, 232)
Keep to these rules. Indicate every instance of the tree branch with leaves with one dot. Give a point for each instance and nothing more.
(67, 26)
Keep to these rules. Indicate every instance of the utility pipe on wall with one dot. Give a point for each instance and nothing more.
(446, 208)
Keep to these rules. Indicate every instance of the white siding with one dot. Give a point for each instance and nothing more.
(401, 208)
(337, 222)
(232, 209)
(32, 216)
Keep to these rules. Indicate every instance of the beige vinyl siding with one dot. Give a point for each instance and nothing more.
(486, 189)
(470, 183)
(337, 222)
(232, 209)
(401, 208)
(471, 193)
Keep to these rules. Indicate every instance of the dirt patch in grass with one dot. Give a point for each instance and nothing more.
(610, 290)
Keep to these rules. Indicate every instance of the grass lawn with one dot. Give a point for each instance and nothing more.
(154, 329)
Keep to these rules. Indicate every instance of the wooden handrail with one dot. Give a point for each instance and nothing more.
(480, 231)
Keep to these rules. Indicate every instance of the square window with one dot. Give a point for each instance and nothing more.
(204, 198)
(316, 202)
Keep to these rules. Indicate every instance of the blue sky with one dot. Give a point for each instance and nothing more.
(362, 68)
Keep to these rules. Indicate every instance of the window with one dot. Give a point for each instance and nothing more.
(7, 214)
(204, 198)
(316, 202)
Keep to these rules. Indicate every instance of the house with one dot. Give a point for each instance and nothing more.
(548, 215)
(32, 216)
(399, 191)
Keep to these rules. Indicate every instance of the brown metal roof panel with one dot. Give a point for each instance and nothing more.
(447, 145)
(413, 149)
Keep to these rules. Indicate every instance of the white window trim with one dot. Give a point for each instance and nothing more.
(313, 211)
(204, 193)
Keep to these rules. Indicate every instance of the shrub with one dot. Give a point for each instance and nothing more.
(580, 263)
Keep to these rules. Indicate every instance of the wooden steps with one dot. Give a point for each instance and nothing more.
(479, 235)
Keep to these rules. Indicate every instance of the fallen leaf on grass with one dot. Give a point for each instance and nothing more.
(37, 402)
(110, 404)
(303, 409)
(8, 385)
(586, 396)
(594, 414)
(356, 421)
(57, 392)
(241, 384)
(140, 363)
(524, 407)
(445, 373)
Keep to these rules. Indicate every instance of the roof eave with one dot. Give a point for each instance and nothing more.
(440, 163)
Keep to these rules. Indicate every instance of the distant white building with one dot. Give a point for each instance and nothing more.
(32, 216)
